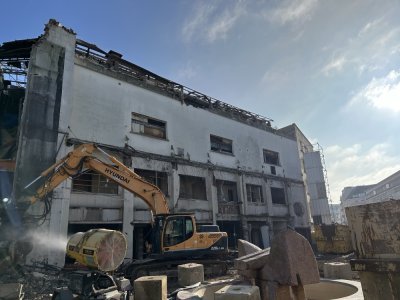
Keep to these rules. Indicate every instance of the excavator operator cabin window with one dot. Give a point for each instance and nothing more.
(177, 230)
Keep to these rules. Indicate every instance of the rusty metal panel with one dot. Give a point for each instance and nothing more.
(333, 238)
(375, 229)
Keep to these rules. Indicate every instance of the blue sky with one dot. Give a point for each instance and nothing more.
(332, 67)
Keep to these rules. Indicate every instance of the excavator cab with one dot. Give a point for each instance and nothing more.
(177, 235)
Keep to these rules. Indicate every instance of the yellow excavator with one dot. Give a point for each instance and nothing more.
(174, 237)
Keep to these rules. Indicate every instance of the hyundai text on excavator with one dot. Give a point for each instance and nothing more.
(175, 238)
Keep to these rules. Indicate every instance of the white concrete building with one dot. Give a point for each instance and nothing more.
(386, 189)
(227, 165)
(313, 176)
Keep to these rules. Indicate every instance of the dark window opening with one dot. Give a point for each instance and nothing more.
(254, 193)
(160, 179)
(10, 113)
(192, 187)
(220, 144)
(148, 126)
(317, 220)
(273, 170)
(278, 195)
(226, 191)
(93, 182)
(271, 157)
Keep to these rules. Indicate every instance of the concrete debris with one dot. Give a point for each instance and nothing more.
(339, 270)
(238, 292)
(189, 274)
(11, 291)
(284, 268)
(41, 281)
(151, 288)
(245, 248)
(375, 234)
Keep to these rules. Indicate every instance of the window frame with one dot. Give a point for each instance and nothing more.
(275, 161)
(220, 142)
(148, 125)
(274, 197)
(195, 180)
(250, 192)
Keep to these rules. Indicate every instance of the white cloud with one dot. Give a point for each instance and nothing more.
(381, 93)
(370, 26)
(292, 11)
(370, 50)
(336, 64)
(197, 21)
(353, 165)
(211, 23)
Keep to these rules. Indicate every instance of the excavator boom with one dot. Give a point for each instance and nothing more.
(83, 157)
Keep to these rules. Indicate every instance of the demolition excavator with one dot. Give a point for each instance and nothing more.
(175, 238)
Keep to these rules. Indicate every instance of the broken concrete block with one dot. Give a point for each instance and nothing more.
(245, 248)
(123, 284)
(253, 261)
(291, 261)
(238, 292)
(9, 291)
(189, 274)
(338, 270)
(151, 288)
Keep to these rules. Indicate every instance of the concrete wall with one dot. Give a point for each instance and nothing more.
(44, 120)
(111, 101)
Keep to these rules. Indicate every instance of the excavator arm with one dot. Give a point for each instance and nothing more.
(83, 158)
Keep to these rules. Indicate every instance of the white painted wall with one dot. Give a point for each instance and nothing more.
(101, 112)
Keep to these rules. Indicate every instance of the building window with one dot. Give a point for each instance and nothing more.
(148, 126)
(271, 157)
(192, 187)
(254, 193)
(278, 195)
(226, 191)
(160, 179)
(93, 182)
(317, 220)
(220, 144)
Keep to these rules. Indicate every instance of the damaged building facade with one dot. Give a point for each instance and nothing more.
(228, 165)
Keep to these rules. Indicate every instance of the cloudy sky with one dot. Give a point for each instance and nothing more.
(332, 67)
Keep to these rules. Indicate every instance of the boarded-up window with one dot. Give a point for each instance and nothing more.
(148, 126)
(226, 191)
(93, 182)
(271, 157)
(278, 195)
(220, 144)
(254, 193)
(160, 179)
(192, 187)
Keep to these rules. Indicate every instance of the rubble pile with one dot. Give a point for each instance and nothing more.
(37, 281)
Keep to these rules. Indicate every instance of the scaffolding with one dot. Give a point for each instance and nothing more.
(325, 172)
